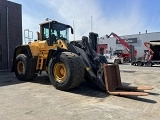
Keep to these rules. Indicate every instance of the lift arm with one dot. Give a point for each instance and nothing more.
(122, 42)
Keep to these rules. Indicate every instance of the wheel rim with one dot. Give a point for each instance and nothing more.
(60, 72)
(20, 67)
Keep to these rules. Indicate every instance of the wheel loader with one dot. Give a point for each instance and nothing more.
(68, 63)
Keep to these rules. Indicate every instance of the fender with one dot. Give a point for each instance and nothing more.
(21, 50)
(53, 53)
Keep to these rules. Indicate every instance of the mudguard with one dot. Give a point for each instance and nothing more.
(22, 49)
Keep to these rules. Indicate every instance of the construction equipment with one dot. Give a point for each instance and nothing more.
(122, 53)
(126, 56)
(149, 58)
(67, 64)
(113, 59)
(152, 57)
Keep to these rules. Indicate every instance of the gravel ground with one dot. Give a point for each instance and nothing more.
(39, 100)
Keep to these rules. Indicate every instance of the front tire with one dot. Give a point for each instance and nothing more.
(24, 68)
(117, 61)
(126, 60)
(66, 71)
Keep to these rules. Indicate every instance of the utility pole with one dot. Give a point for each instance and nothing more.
(91, 23)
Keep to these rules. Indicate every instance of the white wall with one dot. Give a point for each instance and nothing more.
(139, 46)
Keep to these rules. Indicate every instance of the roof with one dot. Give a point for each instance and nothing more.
(53, 21)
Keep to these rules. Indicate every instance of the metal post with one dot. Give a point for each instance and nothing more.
(7, 41)
(28, 37)
(91, 23)
(132, 57)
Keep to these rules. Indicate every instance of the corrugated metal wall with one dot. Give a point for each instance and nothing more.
(139, 46)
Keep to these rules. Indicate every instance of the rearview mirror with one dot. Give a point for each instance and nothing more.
(72, 31)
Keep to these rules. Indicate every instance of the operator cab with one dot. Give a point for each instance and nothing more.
(53, 31)
(118, 52)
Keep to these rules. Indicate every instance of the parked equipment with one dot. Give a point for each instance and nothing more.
(113, 59)
(122, 53)
(68, 64)
(126, 56)
(152, 57)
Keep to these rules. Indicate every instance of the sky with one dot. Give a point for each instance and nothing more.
(123, 17)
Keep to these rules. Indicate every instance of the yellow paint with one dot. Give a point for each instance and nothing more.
(41, 49)
(60, 72)
(88, 69)
(20, 67)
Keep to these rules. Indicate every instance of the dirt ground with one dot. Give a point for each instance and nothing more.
(39, 100)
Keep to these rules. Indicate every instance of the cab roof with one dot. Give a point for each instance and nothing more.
(54, 22)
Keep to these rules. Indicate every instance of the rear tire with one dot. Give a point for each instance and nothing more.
(24, 68)
(133, 63)
(66, 71)
(149, 64)
(126, 60)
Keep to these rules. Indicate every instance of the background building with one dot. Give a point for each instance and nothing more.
(10, 31)
(137, 40)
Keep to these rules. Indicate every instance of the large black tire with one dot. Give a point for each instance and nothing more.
(126, 60)
(74, 69)
(117, 61)
(149, 64)
(139, 63)
(133, 63)
(24, 68)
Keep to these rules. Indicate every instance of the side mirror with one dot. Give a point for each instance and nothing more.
(38, 35)
(72, 31)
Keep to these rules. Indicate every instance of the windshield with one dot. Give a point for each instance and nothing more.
(60, 31)
(118, 51)
(53, 31)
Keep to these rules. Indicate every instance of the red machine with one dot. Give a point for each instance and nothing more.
(147, 44)
(125, 56)
(152, 57)
(101, 48)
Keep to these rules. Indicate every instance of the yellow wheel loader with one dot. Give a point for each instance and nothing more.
(68, 63)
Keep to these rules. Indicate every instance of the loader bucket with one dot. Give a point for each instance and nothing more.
(114, 86)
